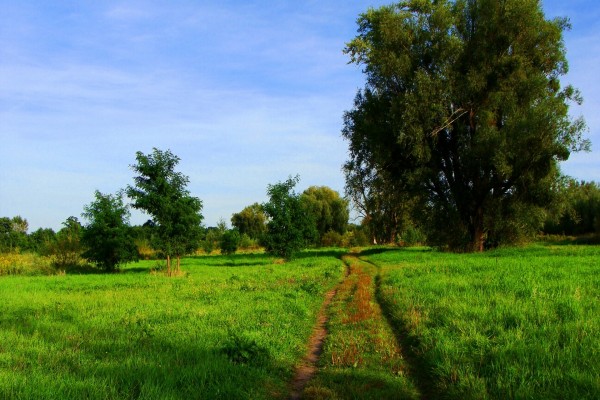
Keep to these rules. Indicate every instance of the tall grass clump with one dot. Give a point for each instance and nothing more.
(29, 264)
(512, 323)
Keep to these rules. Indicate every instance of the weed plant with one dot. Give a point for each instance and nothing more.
(229, 328)
(26, 264)
(511, 323)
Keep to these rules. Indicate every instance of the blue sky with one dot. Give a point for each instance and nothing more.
(245, 93)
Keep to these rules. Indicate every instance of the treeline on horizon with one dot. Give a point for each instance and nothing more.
(286, 224)
(577, 214)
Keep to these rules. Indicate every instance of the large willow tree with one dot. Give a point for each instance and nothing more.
(463, 108)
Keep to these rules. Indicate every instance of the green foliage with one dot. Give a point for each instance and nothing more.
(250, 221)
(385, 208)
(13, 234)
(328, 209)
(357, 236)
(108, 236)
(210, 241)
(212, 236)
(332, 239)
(161, 192)
(27, 264)
(230, 241)
(581, 210)
(42, 240)
(247, 243)
(412, 236)
(67, 248)
(290, 227)
(462, 113)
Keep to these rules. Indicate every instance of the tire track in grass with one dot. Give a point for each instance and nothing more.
(415, 365)
(307, 368)
(362, 358)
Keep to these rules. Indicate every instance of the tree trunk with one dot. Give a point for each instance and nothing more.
(477, 231)
(178, 264)
(168, 265)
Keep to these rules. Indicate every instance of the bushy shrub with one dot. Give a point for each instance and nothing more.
(356, 236)
(229, 242)
(412, 236)
(108, 236)
(145, 250)
(66, 249)
(291, 226)
(332, 239)
(247, 243)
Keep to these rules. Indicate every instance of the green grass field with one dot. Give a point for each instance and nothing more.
(511, 323)
(405, 323)
(230, 328)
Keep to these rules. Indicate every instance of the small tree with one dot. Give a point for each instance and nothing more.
(67, 247)
(230, 240)
(290, 226)
(13, 234)
(161, 192)
(42, 240)
(108, 236)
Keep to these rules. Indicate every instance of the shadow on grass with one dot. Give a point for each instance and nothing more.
(419, 368)
(325, 252)
(86, 269)
(560, 240)
(351, 383)
(234, 260)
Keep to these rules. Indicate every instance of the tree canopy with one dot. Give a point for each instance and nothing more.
(161, 192)
(250, 221)
(464, 111)
(329, 210)
(290, 225)
(108, 237)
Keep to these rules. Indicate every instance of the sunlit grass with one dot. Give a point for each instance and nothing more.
(512, 323)
(140, 335)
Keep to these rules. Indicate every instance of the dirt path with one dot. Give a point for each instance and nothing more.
(307, 368)
(365, 338)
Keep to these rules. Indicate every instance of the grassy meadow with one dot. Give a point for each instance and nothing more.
(405, 323)
(510, 323)
(230, 327)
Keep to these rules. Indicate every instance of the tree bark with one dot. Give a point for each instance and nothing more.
(477, 231)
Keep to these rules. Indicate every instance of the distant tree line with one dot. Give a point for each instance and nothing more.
(285, 224)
